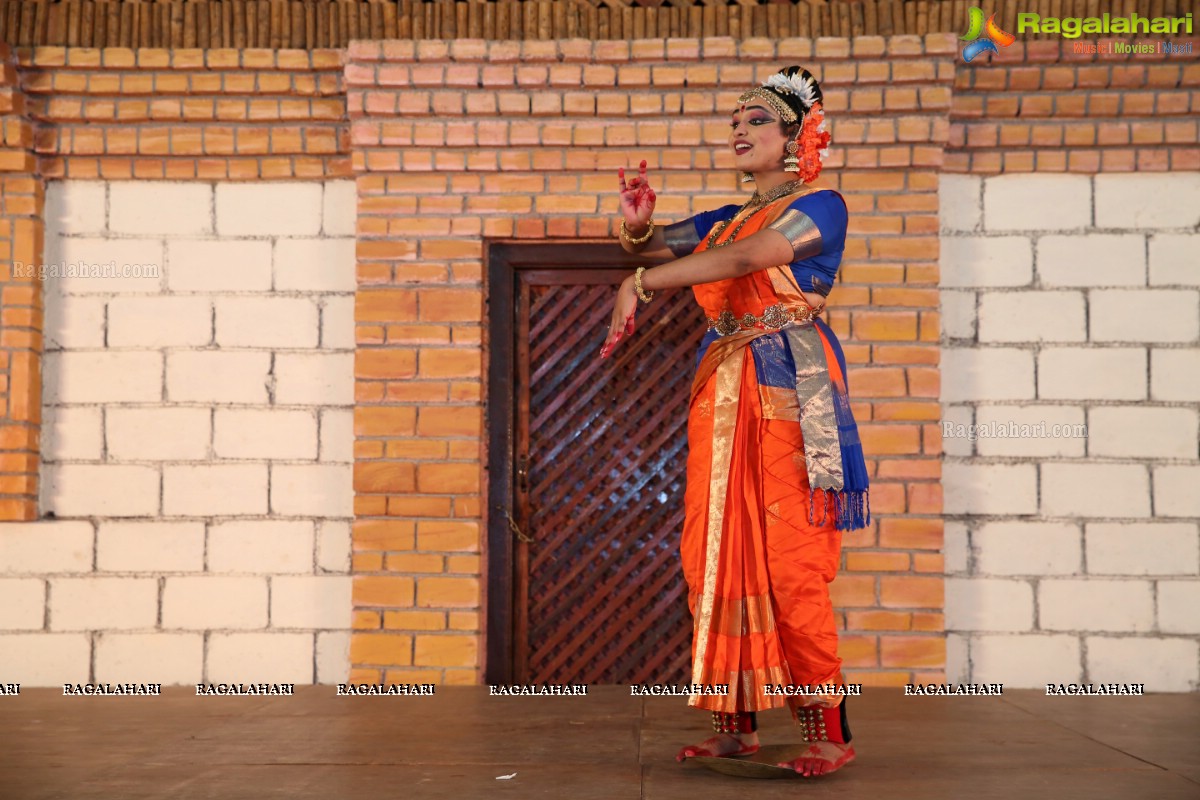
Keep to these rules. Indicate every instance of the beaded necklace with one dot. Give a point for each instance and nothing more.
(756, 203)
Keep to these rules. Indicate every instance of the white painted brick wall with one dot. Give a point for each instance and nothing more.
(1093, 260)
(99, 376)
(159, 321)
(1177, 604)
(959, 317)
(1164, 665)
(956, 439)
(157, 433)
(1138, 201)
(311, 265)
(150, 546)
(74, 321)
(269, 322)
(124, 266)
(1078, 489)
(257, 433)
(340, 212)
(956, 548)
(1032, 659)
(1143, 548)
(1053, 430)
(1027, 548)
(337, 322)
(167, 658)
(323, 490)
(990, 489)
(1097, 373)
(1037, 202)
(271, 209)
(100, 490)
(213, 602)
(1086, 288)
(986, 373)
(976, 604)
(1177, 491)
(1144, 432)
(310, 602)
(1032, 317)
(151, 207)
(1097, 604)
(333, 546)
(218, 376)
(1162, 315)
(960, 205)
(259, 657)
(103, 604)
(337, 435)
(261, 546)
(207, 266)
(1175, 374)
(202, 490)
(22, 604)
(197, 437)
(76, 206)
(46, 548)
(333, 656)
(45, 659)
(1173, 259)
(314, 378)
(976, 260)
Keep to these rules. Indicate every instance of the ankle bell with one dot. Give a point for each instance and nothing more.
(735, 723)
(819, 724)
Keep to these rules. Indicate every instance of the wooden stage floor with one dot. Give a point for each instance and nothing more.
(606, 746)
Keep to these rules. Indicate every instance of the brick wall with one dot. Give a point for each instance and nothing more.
(463, 141)
(1073, 301)
(21, 235)
(1070, 297)
(454, 143)
(197, 436)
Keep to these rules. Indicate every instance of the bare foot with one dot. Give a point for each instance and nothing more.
(821, 758)
(723, 744)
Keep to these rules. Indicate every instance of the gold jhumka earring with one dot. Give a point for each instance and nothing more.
(792, 163)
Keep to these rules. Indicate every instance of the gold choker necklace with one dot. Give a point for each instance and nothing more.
(754, 204)
(773, 194)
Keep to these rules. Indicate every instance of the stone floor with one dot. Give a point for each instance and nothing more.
(606, 746)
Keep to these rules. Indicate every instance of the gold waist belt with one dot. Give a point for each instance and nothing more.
(773, 318)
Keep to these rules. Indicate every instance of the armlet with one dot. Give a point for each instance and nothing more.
(801, 231)
(681, 237)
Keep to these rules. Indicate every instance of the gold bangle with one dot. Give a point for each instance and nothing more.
(642, 294)
(641, 239)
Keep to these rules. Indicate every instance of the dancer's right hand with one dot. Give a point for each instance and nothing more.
(637, 201)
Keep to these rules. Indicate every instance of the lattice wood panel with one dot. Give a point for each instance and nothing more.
(307, 24)
(606, 602)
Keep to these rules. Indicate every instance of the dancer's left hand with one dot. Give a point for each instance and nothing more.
(622, 324)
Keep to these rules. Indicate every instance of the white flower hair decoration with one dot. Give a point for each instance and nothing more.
(802, 85)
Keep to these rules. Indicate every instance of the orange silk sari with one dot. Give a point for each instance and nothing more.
(756, 564)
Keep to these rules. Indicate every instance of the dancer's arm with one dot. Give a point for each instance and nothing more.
(761, 250)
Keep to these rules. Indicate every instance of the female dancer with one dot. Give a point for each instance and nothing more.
(775, 470)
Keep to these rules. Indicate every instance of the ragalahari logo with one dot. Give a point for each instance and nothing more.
(990, 31)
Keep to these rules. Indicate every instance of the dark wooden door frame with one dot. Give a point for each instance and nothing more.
(504, 260)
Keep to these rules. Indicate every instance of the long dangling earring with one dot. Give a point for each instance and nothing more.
(792, 163)
(747, 177)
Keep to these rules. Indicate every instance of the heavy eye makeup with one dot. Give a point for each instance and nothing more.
(759, 119)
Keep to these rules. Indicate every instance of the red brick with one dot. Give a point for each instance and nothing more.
(912, 651)
(911, 592)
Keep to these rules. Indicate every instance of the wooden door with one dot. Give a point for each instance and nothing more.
(595, 452)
